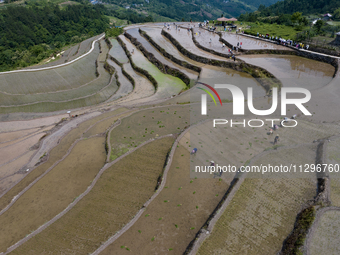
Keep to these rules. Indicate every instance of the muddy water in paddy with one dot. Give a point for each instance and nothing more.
(294, 71)
(118, 52)
(216, 75)
(185, 39)
(135, 33)
(251, 44)
(203, 38)
(162, 41)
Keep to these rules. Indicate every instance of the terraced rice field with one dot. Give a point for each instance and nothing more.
(125, 87)
(84, 227)
(115, 174)
(266, 210)
(145, 125)
(294, 71)
(117, 52)
(175, 215)
(54, 191)
(203, 38)
(72, 91)
(155, 34)
(250, 43)
(53, 80)
(56, 154)
(135, 33)
(167, 84)
(185, 39)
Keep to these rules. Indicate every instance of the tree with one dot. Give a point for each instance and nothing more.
(318, 25)
(261, 8)
(336, 14)
(296, 18)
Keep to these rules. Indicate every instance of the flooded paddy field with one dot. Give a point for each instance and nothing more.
(294, 71)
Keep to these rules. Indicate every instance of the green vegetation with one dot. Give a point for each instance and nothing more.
(275, 30)
(295, 19)
(297, 238)
(304, 6)
(31, 34)
(185, 10)
(114, 32)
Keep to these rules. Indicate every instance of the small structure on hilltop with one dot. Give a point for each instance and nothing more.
(336, 41)
(327, 16)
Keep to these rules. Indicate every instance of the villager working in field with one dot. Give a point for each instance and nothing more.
(277, 138)
(193, 151)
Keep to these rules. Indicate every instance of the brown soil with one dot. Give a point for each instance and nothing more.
(11, 136)
(8, 153)
(11, 126)
(115, 199)
(13, 167)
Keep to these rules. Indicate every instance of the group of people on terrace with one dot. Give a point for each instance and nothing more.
(284, 42)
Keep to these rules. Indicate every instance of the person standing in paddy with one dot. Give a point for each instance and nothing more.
(277, 138)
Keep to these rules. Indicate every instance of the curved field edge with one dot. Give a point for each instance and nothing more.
(162, 67)
(147, 124)
(85, 217)
(98, 129)
(266, 79)
(53, 155)
(162, 224)
(60, 187)
(96, 98)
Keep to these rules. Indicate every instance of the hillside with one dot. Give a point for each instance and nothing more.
(304, 6)
(191, 9)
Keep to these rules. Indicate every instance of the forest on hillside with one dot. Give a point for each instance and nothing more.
(304, 6)
(31, 34)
